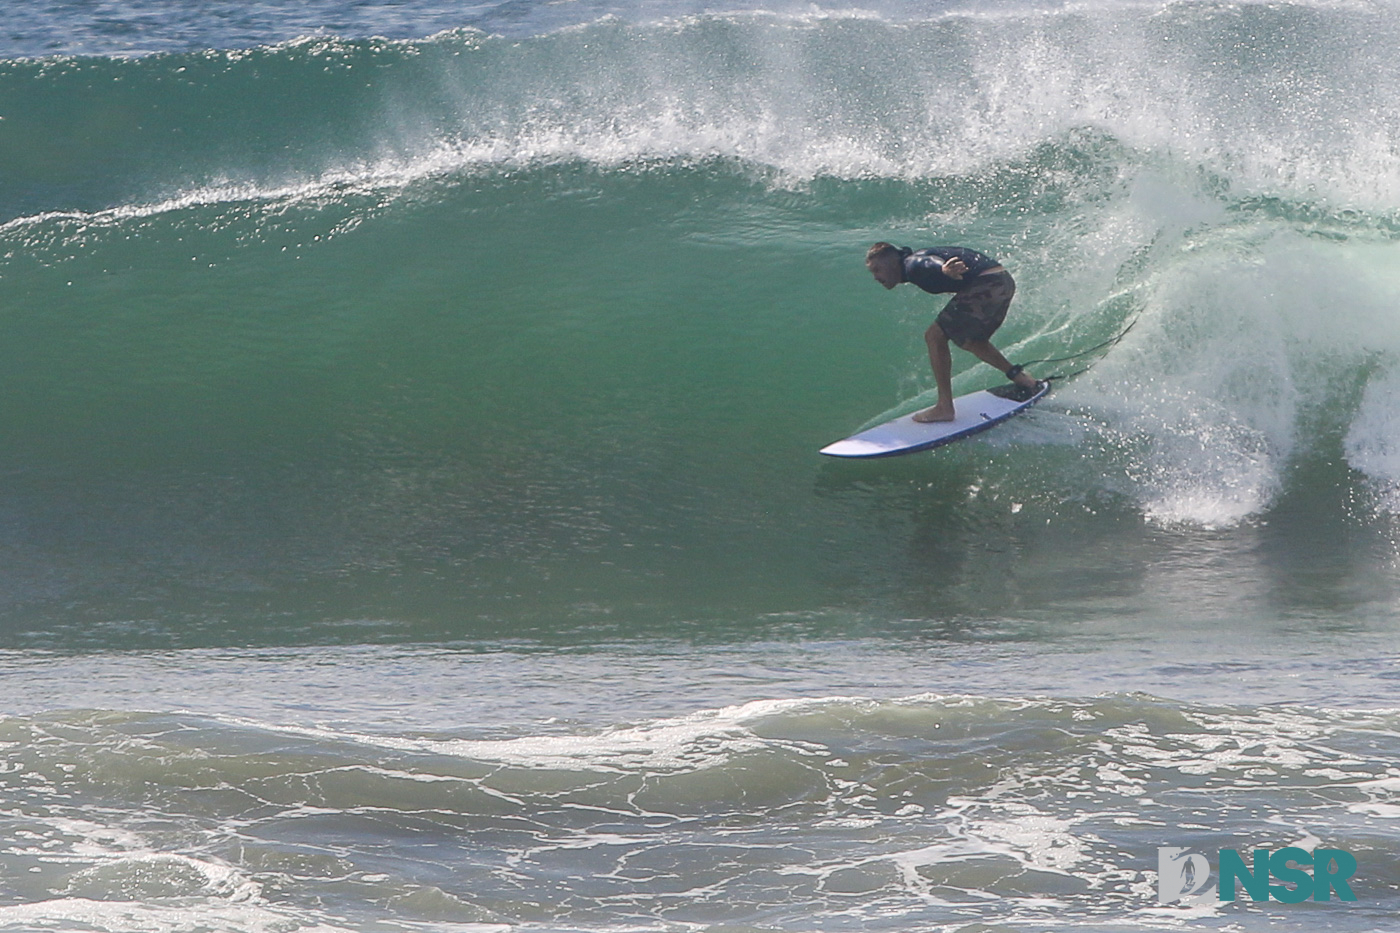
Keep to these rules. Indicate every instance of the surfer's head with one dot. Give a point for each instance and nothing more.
(886, 263)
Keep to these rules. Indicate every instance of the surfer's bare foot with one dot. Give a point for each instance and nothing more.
(1026, 381)
(936, 413)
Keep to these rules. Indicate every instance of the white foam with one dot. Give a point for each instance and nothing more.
(1373, 439)
(1203, 404)
(168, 870)
(135, 917)
(686, 743)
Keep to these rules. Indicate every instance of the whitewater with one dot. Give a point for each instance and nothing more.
(410, 508)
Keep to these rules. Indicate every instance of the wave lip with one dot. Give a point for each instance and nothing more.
(831, 93)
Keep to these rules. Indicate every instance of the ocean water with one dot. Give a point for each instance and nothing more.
(410, 509)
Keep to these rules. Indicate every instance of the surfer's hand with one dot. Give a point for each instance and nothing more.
(954, 268)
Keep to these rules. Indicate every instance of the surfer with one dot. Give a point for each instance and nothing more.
(982, 291)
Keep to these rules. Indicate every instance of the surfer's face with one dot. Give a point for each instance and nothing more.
(886, 270)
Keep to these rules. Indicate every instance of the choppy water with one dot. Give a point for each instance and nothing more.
(410, 514)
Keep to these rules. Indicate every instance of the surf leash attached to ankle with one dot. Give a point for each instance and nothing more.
(1016, 370)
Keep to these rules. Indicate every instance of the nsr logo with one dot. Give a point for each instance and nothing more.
(1184, 876)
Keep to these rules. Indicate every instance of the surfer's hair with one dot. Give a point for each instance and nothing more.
(879, 251)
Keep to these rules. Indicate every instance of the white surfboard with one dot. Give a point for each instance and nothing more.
(974, 412)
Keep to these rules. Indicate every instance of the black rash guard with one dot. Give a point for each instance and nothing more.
(925, 267)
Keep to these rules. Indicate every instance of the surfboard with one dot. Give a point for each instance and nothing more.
(974, 413)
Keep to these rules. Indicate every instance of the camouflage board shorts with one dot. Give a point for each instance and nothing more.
(977, 311)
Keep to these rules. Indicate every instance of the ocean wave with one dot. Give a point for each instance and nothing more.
(923, 804)
(829, 94)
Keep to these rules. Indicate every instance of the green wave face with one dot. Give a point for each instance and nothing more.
(541, 335)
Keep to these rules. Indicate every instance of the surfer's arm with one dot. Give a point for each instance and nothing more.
(954, 268)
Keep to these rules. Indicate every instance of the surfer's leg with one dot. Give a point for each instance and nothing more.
(975, 314)
(984, 351)
(941, 358)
